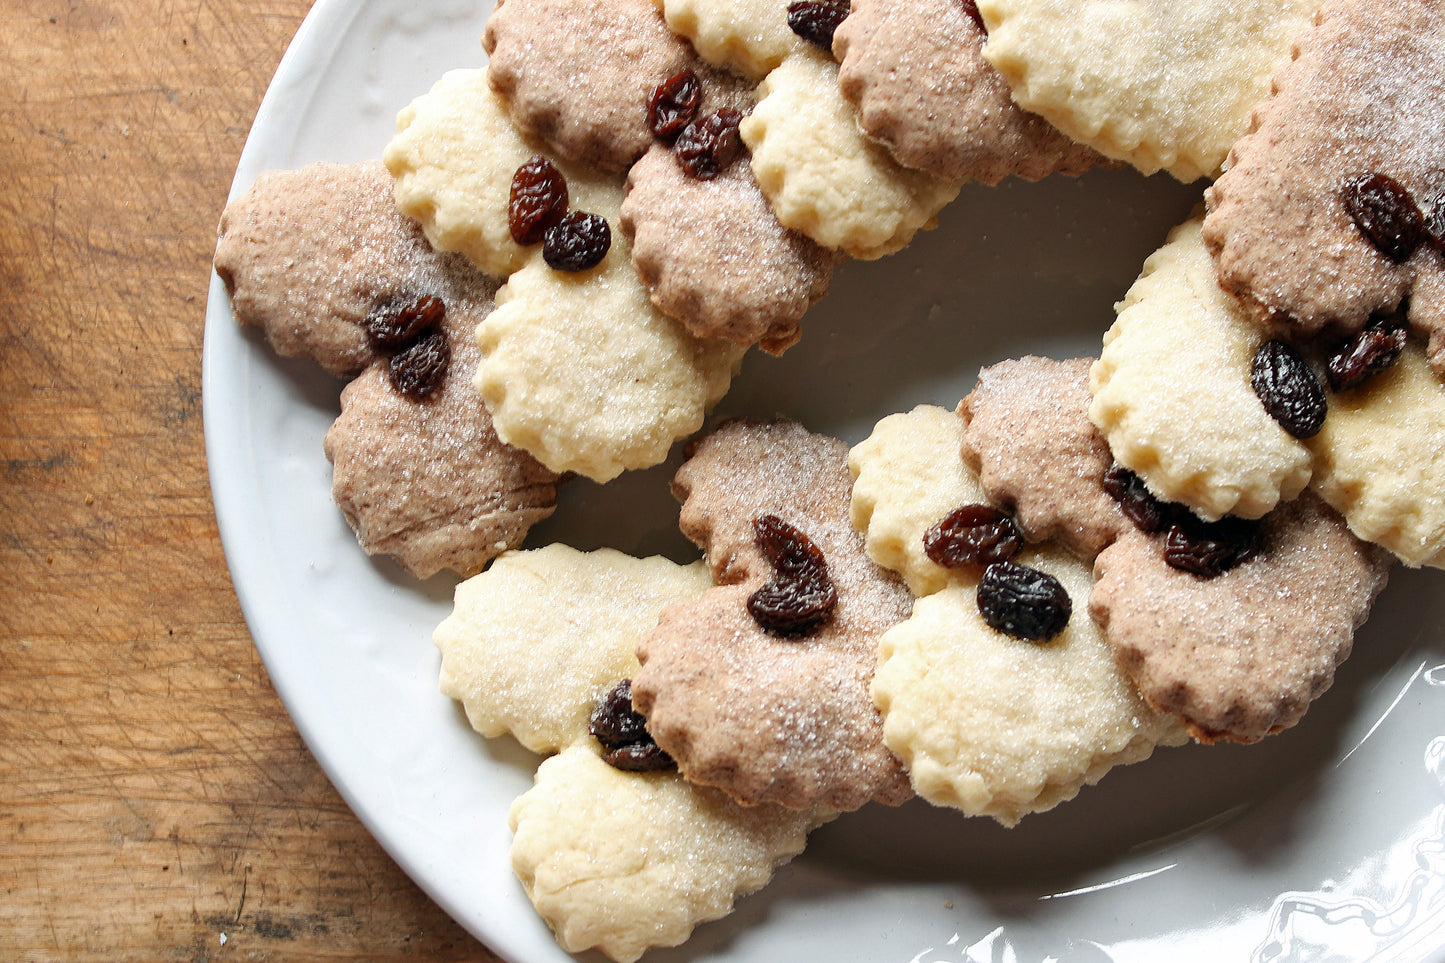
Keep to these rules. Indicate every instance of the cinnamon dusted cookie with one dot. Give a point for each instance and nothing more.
(1240, 655)
(307, 255)
(760, 687)
(916, 73)
(714, 256)
(1330, 210)
(823, 176)
(1038, 456)
(581, 80)
(1162, 84)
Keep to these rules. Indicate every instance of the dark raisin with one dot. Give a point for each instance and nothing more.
(578, 242)
(394, 324)
(1385, 213)
(641, 757)
(801, 594)
(673, 104)
(420, 369)
(708, 145)
(973, 535)
(1376, 348)
(1208, 549)
(1136, 501)
(1288, 389)
(816, 20)
(1023, 602)
(538, 200)
(970, 9)
(614, 722)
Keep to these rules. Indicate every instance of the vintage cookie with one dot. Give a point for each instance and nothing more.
(533, 642)
(907, 475)
(1038, 456)
(749, 36)
(1377, 460)
(427, 480)
(714, 256)
(583, 372)
(1358, 103)
(1241, 655)
(823, 176)
(914, 69)
(582, 83)
(999, 726)
(781, 716)
(1162, 84)
(307, 255)
(1172, 391)
(622, 861)
(454, 155)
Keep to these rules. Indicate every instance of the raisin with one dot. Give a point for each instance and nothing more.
(394, 324)
(1385, 213)
(708, 145)
(1376, 348)
(420, 369)
(538, 200)
(578, 242)
(1209, 549)
(623, 733)
(816, 20)
(1136, 501)
(642, 757)
(973, 535)
(1288, 389)
(1023, 602)
(970, 9)
(673, 105)
(801, 595)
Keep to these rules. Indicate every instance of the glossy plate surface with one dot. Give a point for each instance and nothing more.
(1325, 843)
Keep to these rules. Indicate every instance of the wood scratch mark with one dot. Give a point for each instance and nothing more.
(245, 878)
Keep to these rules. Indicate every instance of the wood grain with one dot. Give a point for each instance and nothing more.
(156, 802)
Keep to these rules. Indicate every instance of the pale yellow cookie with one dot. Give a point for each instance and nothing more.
(1172, 392)
(997, 726)
(1378, 460)
(749, 36)
(823, 176)
(1162, 84)
(580, 369)
(453, 158)
(907, 475)
(535, 640)
(622, 862)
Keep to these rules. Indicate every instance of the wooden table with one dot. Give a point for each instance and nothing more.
(156, 802)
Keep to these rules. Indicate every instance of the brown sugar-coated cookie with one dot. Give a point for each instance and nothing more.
(769, 717)
(1028, 435)
(1241, 655)
(714, 256)
(916, 72)
(1361, 98)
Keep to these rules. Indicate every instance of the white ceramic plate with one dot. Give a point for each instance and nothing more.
(1325, 843)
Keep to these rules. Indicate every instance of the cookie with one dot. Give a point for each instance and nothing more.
(428, 481)
(714, 256)
(584, 373)
(1241, 655)
(306, 255)
(823, 176)
(907, 475)
(532, 643)
(1359, 100)
(768, 716)
(582, 83)
(749, 36)
(1172, 395)
(1037, 455)
(454, 156)
(622, 862)
(1161, 84)
(916, 74)
(1002, 727)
